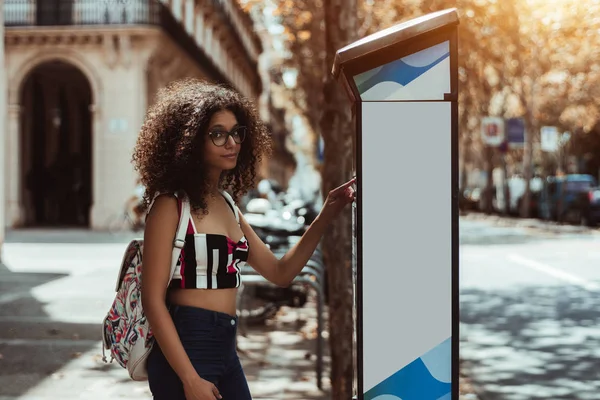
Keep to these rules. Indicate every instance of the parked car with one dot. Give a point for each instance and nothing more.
(567, 198)
(534, 205)
(516, 190)
(469, 199)
(590, 212)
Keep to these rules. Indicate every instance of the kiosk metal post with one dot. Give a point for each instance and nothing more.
(403, 82)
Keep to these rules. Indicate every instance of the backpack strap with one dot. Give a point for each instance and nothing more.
(179, 242)
(231, 205)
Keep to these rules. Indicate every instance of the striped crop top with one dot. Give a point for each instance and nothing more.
(208, 260)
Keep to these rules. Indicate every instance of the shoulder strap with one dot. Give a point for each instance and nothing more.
(184, 217)
(179, 242)
(231, 204)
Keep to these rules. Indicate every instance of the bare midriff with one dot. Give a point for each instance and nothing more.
(220, 300)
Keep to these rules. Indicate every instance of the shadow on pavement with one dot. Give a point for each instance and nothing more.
(32, 346)
(279, 358)
(46, 359)
(533, 342)
(43, 356)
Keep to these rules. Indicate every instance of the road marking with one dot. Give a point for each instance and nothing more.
(554, 272)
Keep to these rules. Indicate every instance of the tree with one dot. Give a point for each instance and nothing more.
(529, 58)
(314, 30)
(337, 128)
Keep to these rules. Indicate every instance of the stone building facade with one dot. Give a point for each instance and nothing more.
(80, 76)
(2, 127)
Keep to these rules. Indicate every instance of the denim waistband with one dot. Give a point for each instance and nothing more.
(202, 314)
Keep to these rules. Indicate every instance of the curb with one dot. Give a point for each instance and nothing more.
(527, 223)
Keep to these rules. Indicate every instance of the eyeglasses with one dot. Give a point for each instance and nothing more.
(220, 136)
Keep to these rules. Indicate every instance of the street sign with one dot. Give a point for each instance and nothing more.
(503, 148)
(515, 132)
(404, 79)
(492, 131)
(320, 149)
(549, 138)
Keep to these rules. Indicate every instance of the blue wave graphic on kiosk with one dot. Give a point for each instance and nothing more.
(397, 71)
(428, 377)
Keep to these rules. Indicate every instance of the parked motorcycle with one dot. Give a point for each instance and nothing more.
(279, 229)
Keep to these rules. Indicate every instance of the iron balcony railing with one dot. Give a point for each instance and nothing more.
(80, 12)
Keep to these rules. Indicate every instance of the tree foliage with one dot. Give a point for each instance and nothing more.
(515, 57)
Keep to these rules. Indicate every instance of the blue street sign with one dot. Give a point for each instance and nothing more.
(515, 132)
(320, 149)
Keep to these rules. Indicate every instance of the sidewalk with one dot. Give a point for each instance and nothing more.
(278, 359)
(49, 330)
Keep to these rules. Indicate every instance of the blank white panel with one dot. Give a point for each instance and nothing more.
(406, 232)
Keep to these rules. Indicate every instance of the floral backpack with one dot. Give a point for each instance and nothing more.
(125, 329)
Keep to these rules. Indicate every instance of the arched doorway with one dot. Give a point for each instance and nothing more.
(56, 146)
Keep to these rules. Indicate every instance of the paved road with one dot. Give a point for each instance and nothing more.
(530, 312)
(55, 288)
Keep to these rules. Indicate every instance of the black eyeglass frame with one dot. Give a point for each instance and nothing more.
(235, 130)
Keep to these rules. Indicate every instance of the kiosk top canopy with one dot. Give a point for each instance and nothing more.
(402, 32)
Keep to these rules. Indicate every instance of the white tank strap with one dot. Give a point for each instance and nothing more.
(232, 204)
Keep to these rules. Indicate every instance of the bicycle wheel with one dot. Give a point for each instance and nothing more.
(254, 311)
(135, 227)
(117, 223)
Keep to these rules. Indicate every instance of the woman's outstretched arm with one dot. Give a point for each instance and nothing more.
(282, 272)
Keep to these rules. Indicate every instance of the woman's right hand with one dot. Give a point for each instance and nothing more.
(200, 389)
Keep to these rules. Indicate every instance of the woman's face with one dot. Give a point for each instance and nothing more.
(221, 147)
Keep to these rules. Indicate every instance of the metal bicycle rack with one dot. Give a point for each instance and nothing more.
(312, 275)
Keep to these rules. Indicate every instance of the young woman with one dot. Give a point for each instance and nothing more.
(198, 139)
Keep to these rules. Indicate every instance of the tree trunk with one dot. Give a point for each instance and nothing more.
(465, 155)
(489, 185)
(337, 129)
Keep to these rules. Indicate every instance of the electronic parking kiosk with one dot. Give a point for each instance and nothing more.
(403, 82)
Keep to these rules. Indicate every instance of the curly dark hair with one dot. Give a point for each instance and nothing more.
(169, 149)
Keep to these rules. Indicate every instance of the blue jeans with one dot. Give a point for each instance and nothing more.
(208, 338)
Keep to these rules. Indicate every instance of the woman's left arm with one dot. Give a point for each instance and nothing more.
(282, 272)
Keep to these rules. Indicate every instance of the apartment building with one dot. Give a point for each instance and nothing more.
(80, 75)
(2, 126)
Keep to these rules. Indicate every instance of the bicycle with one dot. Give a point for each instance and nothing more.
(125, 221)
